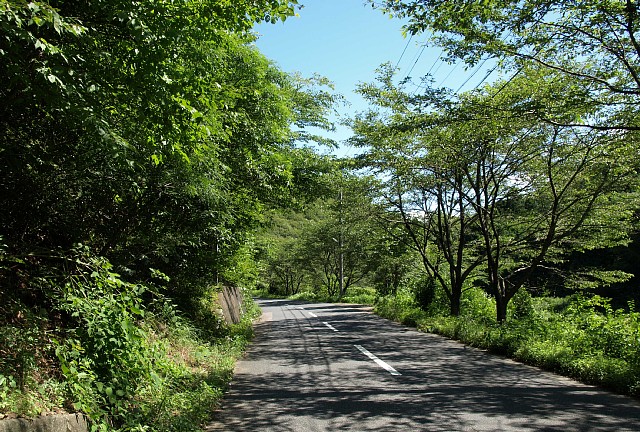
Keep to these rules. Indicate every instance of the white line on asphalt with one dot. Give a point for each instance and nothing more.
(313, 315)
(382, 364)
(330, 326)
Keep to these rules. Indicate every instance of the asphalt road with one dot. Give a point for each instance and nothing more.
(326, 367)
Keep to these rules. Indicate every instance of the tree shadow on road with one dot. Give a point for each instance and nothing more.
(321, 380)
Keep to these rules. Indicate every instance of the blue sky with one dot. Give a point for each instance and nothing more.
(346, 41)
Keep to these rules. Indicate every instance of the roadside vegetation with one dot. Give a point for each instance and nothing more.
(505, 216)
(579, 336)
(140, 144)
(151, 155)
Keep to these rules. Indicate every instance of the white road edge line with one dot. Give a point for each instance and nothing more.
(330, 326)
(312, 314)
(380, 363)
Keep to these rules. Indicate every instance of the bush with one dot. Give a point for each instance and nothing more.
(424, 291)
(579, 337)
(401, 307)
(127, 367)
(521, 305)
(106, 357)
(475, 302)
(360, 295)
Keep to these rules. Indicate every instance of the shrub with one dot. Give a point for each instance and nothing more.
(580, 337)
(106, 357)
(477, 303)
(424, 291)
(521, 305)
(360, 295)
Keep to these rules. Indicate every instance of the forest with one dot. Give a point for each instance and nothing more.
(151, 155)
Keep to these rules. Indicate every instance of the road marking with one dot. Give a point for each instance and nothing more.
(330, 326)
(382, 364)
(313, 315)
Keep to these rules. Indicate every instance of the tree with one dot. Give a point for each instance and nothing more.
(477, 180)
(423, 187)
(591, 43)
(539, 190)
(279, 242)
(338, 246)
(393, 261)
(139, 144)
(153, 133)
(329, 243)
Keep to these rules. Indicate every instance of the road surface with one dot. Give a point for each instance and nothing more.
(327, 367)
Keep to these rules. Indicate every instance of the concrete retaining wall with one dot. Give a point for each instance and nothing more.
(230, 300)
(52, 423)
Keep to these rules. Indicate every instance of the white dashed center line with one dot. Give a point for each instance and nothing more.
(330, 326)
(380, 363)
(313, 315)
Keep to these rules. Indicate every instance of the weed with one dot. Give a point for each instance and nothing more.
(584, 338)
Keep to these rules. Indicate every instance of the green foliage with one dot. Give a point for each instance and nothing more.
(402, 308)
(332, 236)
(591, 42)
(106, 358)
(522, 305)
(479, 191)
(424, 291)
(194, 380)
(602, 330)
(584, 338)
(360, 295)
(158, 123)
(476, 303)
(127, 366)
(153, 134)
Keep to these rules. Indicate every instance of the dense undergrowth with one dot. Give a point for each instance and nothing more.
(577, 336)
(128, 367)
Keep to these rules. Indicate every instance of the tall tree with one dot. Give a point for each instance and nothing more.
(151, 133)
(494, 184)
(417, 156)
(593, 43)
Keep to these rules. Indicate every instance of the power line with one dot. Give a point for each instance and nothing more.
(477, 69)
(416, 62)
(507, 83)
(417, 58)
(449, 74)
(439, 59)
(404, 51)
(489, 72)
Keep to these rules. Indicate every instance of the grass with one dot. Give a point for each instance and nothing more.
(200, 372)
(189, 374)
(583, 338)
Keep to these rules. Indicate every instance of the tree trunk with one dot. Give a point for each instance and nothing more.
(456, 294)
(501, 308)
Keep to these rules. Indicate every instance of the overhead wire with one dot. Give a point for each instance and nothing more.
(449, 74)
(424, 46)
(489, 72)
(477, 69)
(403, 51)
